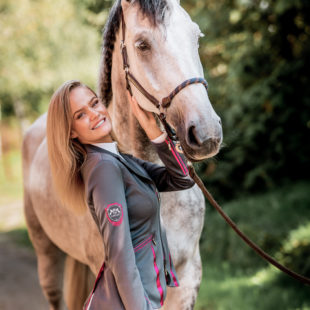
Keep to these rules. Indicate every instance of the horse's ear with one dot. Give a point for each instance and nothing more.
(125, 4)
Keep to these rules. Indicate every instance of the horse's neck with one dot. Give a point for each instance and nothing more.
(126, 127)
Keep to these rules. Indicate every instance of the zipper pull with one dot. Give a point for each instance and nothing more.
(153, 240)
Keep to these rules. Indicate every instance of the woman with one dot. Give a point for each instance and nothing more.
(121, 192)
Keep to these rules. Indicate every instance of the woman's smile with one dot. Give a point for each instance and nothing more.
(99, 123)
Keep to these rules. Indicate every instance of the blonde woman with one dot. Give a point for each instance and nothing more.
(90, 169)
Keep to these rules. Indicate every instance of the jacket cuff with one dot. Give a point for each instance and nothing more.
(172, 159)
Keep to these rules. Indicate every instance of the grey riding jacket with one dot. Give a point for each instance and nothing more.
(122, 195)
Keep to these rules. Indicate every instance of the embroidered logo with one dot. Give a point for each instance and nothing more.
(114, 213)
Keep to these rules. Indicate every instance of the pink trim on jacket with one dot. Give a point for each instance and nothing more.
(177, 157)
(177, 153)
(159, 287)
(173, 275)
(100, 273)
(143, 244)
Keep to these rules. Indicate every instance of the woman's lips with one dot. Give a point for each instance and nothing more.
(99, 123)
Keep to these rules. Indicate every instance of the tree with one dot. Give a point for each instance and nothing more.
(256, 55)
(44, 43)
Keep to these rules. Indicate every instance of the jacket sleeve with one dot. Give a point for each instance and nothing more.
(106, 198)
(174, 175)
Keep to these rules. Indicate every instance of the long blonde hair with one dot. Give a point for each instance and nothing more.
(66, 155)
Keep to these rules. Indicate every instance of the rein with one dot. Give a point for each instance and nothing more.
(162, 106)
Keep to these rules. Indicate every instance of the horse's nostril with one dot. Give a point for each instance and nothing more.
(192, 136)
(220, 122)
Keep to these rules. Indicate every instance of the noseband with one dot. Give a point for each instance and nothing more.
(163, 104)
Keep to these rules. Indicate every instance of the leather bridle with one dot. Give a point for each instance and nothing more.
(162, 106)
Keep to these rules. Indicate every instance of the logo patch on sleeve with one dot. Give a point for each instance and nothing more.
(114, 213)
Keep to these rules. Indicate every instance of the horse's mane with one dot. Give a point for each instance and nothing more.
(153, 9)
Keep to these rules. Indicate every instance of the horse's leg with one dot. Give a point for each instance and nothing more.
(184, 297)
(50, 258)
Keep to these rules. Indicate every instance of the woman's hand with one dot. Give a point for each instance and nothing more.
(145, 118)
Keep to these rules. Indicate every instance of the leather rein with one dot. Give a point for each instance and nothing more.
(162, 106)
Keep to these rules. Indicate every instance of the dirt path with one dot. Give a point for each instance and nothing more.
(19, 285)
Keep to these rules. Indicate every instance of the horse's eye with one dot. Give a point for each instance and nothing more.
(143, 46)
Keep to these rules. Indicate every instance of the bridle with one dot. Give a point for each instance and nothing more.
(162, 106)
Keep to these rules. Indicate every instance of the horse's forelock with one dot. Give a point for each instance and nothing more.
(153, 9)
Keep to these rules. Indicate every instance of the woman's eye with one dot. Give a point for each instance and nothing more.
(95, 103)
(80, 115)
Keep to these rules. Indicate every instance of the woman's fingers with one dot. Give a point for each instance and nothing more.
(145, 118)
(140, 113)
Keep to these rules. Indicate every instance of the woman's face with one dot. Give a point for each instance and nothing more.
(91, 121)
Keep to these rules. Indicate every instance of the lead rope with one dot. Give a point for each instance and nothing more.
(231, 223)
(162, 106)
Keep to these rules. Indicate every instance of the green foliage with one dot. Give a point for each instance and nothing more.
(18, 236)
(235, 277)
(256, 58)
(267, 219)
(295, 251)
(223, 289)
(10, 177)
(44, 43)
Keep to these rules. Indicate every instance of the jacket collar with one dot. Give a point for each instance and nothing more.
(125, 159)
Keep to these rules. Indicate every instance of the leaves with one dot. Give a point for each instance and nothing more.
(44, 44)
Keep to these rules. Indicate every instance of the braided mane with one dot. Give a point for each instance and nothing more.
(154, 9)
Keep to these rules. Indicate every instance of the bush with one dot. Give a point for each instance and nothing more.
(267, 219)
(295, 252)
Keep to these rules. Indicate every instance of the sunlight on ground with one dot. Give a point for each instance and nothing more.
(11, 192)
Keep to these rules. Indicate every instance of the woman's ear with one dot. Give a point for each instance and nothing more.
(73, 134)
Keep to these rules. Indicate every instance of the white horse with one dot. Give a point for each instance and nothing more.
(162, 44)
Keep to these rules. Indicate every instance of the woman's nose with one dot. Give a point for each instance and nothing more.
(93, 113)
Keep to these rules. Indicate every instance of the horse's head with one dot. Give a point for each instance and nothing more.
(162, 45)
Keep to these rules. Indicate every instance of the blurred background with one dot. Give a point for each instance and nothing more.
(256, 56)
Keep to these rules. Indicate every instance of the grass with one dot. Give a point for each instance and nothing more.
(11, 191)
(222, 289)
(18, 236)
(267, 219)
(11, 188)
(234, 276)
